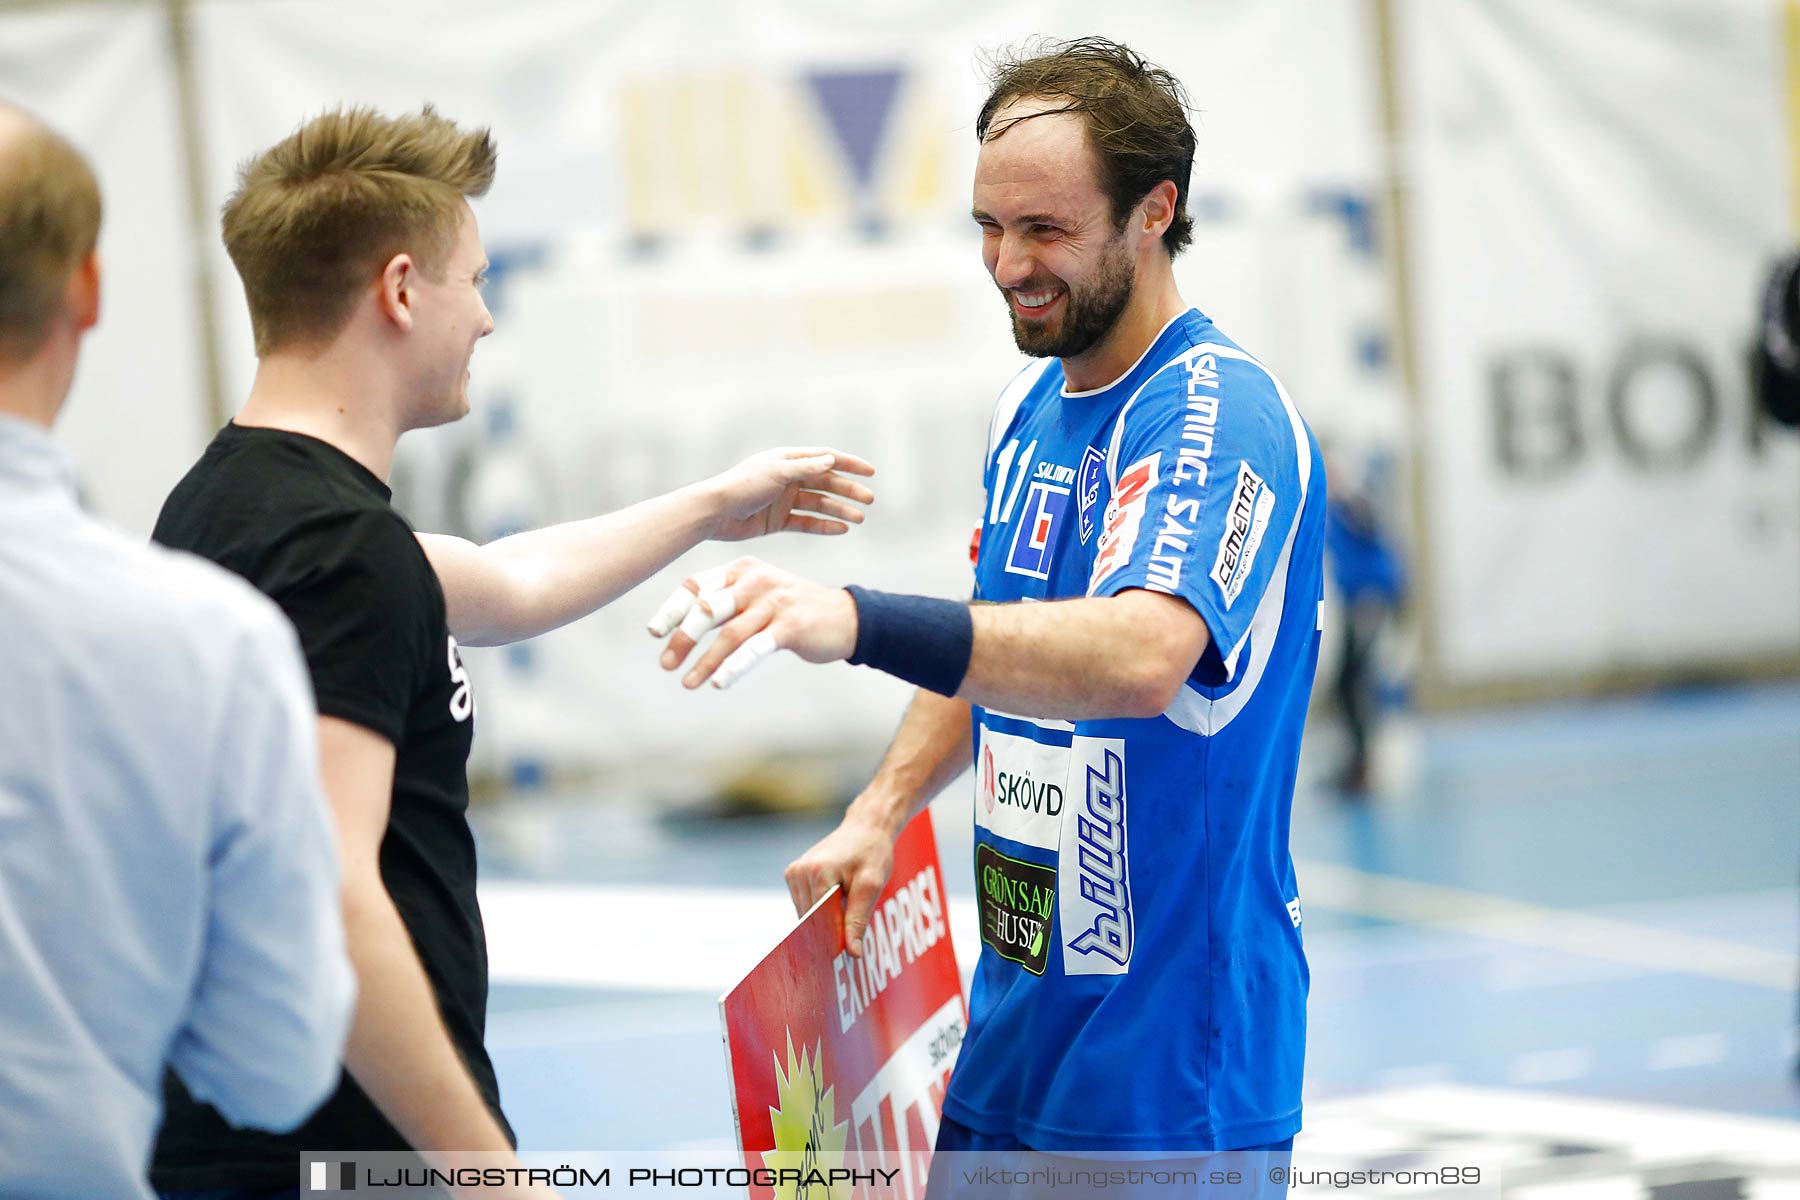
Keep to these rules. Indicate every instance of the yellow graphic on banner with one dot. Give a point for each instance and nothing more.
(805, 1125)
(806, 173)
(1790, 42)
(758, 152)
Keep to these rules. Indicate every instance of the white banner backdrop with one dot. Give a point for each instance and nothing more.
(102, 75)
(1597, 188)
(720, 226)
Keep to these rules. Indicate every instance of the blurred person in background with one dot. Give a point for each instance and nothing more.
(1370, 576)
(1777, 358)
(362, 265)
(1776, 372)
(168, 884)
(1152, 485)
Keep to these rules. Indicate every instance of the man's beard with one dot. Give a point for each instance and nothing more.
(1089, 314)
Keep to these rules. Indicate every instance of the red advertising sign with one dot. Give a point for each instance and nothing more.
(835, 1056)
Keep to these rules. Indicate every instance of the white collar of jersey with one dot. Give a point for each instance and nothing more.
(1068, 395)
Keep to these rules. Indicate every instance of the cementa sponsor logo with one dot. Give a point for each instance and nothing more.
(1020, 785)
(1017, 900)
(1248, 518)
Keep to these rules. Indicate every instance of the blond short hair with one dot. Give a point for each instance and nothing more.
(49, 222)
(317, 216)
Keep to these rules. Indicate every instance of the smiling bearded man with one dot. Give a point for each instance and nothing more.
(1133, 681)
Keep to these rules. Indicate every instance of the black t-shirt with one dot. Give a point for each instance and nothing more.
(314, 530)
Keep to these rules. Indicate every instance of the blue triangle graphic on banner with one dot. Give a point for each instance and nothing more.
(858, 104)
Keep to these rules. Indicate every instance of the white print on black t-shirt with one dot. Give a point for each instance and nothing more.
(462, 701)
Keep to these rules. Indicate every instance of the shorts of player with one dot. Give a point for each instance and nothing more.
(967, 1165)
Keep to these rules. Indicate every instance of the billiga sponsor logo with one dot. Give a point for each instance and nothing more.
(1016, 900)
(1019, 788)
(1097, 919)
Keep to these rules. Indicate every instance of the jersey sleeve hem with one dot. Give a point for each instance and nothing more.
(1214, 621)
(357, 710)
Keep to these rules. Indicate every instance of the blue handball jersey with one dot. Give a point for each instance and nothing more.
(1142, 983)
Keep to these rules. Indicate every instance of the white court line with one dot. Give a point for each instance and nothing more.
(1550, 1066)
(1693, 1050)
(649, 938)
(1419, 1075)
(1344, 889)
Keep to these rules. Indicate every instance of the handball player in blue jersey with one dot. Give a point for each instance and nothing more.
(1132, 680)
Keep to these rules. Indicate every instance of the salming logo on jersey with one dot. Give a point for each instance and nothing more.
(1200, 421)
(1172, 547)
(1095, 873)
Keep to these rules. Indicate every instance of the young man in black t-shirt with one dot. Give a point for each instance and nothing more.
(362, 265)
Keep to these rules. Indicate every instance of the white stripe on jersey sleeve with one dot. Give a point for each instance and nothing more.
(1193, 711)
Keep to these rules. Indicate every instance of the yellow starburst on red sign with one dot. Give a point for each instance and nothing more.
(808, 1135)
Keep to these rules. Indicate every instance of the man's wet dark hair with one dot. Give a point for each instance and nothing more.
(1136, 115)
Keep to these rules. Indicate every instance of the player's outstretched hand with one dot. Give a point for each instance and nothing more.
(857, 855)
(757, 610)
(802, 489)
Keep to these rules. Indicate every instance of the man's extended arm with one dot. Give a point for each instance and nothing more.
(1116, 656)
(931, 749)
(520, 586)
(1103, 656)
(1100, 656)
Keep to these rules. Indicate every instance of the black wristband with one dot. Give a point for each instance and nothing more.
(925, 641)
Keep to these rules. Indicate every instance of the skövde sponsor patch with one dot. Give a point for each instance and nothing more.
(1020, 788)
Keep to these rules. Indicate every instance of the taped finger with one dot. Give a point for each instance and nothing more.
(739, 663)
(682, 599)
(713, 610)
(671, 611)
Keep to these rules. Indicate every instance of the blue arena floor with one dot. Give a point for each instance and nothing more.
(1594, 900)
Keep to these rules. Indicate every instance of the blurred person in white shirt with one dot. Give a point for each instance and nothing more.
(168, 876)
